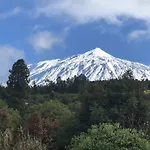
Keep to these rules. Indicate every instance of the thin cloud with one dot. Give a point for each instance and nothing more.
(8, 55)
(43, 41)
(13, 12)
(139, 34)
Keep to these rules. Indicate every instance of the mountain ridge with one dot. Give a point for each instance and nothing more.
(95, 64)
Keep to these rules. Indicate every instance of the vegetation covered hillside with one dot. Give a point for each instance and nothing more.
(75, 114)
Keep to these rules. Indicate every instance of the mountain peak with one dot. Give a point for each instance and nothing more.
(99, 52)
(95, 64)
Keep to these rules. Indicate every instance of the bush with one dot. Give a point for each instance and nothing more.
(110, 137)
(9, 118)
(60, 114)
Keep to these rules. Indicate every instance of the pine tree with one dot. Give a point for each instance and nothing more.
(128, 74)
(17, 84)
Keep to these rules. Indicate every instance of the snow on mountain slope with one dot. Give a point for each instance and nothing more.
(95, 65)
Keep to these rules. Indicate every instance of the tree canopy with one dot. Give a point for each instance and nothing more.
(97, 115)
(109, 137)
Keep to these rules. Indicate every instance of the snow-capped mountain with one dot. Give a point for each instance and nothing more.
(95, 65)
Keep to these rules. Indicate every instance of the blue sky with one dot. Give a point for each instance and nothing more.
(47, 29)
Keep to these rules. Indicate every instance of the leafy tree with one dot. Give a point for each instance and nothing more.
(3, 105)
(110, 137)
(17, 84)
(39, 127)
(9, 118)
(67, 97)
(85, 109)
(116, 101)
(35, 125)
(75, 107)
(59, 113)
(3, 92)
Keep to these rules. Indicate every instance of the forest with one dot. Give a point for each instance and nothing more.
(75, 114)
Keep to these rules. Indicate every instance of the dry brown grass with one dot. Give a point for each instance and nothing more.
(25, 142)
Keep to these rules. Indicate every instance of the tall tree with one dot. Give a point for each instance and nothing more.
(17, 84)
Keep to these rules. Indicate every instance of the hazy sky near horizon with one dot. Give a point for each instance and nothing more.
(47, 29)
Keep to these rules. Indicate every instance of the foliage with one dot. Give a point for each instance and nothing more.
(54, 113)
(9, 118)
(60, 114)
(39, 128)
(17, 84)
(66, 98)
(75, 107)
(25, 142)
(109, 137)
(115, 101)
(53, 110)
